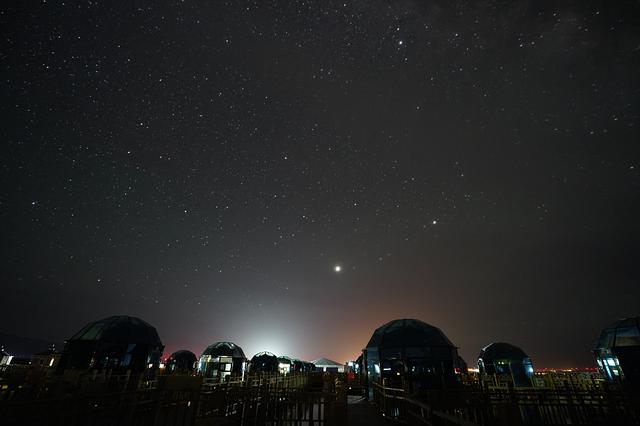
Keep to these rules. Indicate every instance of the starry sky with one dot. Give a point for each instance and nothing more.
(206, 165)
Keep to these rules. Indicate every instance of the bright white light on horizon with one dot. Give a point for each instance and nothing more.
(274, 341)
(337, 268)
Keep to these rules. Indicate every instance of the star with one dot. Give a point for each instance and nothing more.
(255, 171)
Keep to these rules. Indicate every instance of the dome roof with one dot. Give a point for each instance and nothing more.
(224, 349)
(408, 333)
(182, 356)
(624, 332)
(501, 351)
(264, 354)
(265, 362)
(119, 329)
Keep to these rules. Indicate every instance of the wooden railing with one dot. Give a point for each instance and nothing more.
(419, 413)
(390, 401)
(507, 407)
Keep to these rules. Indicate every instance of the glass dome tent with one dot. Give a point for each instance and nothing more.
(117, 343)
(181, 362)
(618, 352)
(264, 362)
(411, 354)
(506, 362)
(285, 364)
(222, 359)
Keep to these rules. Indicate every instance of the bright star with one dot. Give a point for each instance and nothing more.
(337, 268)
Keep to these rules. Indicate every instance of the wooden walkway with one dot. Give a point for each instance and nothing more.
(363, 413)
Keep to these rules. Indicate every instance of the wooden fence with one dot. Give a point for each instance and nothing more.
(316, 399)
(143, 407)
(307, 399)
(251, 406)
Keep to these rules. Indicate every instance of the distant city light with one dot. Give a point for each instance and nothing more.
(337, 268)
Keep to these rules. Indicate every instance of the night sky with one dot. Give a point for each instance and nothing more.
(206, 165)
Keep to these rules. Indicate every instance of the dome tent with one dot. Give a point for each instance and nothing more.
(264, 362)
(505, 359)
(408, 333)
(285, 364)
(461, 366)
(410, 353)
(618, 352)
(118, 343)
(297, 365)
(181, 362)
(222, 359)
(224, 349)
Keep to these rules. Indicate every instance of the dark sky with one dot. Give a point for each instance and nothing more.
(206, 165)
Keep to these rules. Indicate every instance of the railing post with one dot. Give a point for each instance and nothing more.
(340, 407)
(514, 416)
